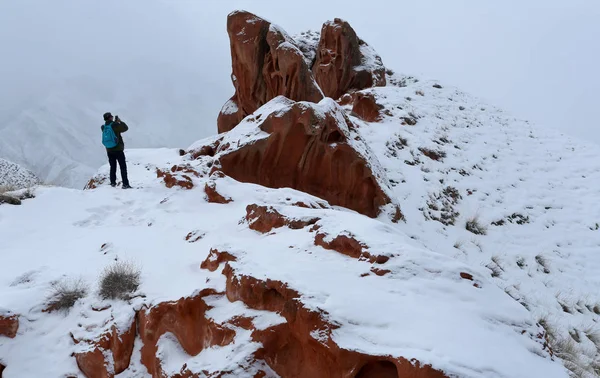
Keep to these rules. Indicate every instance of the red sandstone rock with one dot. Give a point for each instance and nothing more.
(212, 195)
(345, 62)
(186, 320)
(207, 150)
(380, 272)
(291, 351)
(194, 236)
(2, 367)
(263, 219)
(215, 258)
(349, 246)
(466, 276)
(346, 245)
(9, 325)
(95, 364)
(311, 148)
(266, 63)
(366, 107)
(95, 182)
(178, 179)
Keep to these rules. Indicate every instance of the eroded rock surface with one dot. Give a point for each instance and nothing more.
(108, 355)
(345, 62)
(265, 218)
(9, 325)
(266, 63)
(365, 106)
(186, 320)
(291, 348)
(313, 148)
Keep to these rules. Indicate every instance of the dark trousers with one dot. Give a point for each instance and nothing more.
(113, 158)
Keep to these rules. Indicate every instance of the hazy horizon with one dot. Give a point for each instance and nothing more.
(534, 59)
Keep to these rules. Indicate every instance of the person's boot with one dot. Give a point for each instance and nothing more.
(126, 186)
(113, 184)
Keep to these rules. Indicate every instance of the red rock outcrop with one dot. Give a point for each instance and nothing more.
(9, 325)
(345, 62)
(311, 148)
(349, 246)
(215, 258)
(290, 348)
(95, 182)
(186, 320)
(176, 178)
(95, 364)
(365, 107)
(2, 367)
(266, 63)
(206, 150)
(210, 189)
(265, 218)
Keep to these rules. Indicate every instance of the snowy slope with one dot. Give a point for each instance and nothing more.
(534, 190)
(535, 268)
(423, 298)
(13, 176)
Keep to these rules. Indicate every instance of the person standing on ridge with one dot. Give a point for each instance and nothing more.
(115, 148)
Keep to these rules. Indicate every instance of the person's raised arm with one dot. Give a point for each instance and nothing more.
(120, 126)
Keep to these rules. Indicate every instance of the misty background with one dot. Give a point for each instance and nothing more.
(164, 65)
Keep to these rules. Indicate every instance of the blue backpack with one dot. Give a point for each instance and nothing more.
(109, 138)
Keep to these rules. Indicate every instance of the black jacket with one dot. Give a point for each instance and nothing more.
(118, 127)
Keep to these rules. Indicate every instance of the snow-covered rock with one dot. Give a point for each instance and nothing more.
(492, 273)
(14, 177)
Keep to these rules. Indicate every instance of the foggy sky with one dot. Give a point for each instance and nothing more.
(537, 59)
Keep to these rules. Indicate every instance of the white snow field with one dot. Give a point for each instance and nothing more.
(536, 268)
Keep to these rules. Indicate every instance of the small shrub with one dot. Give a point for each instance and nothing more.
(9, 199)
(521, 262)
(473, 225)
(411, 121)
(575, 335)
(27, 194)
(477, 244)
(6, 188)
(65, 294)
(436, 155)
(119, 280)
(495, 268)
(541, 260)
(442, 206)
(458, 244)
(593, 335)
(596, 309)
(565, 307)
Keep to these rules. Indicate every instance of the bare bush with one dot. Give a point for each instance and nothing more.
(541, 260)
(65, 294)
(593, 335)
(473, 225)
(575, 359)
(6, 189)
(119, 280)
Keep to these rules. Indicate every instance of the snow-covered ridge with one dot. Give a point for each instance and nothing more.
(14, 177)
(494, 273)
(531, 191)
